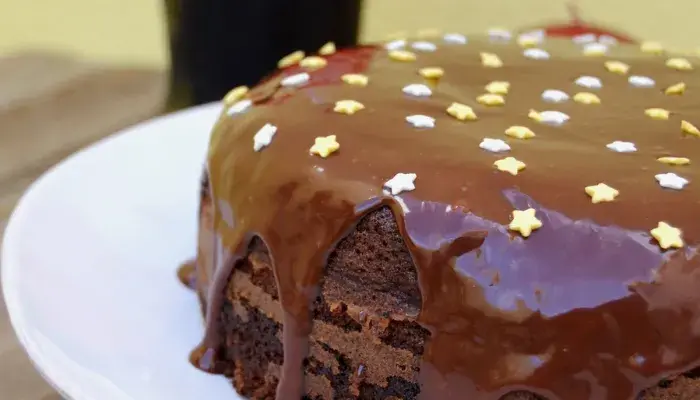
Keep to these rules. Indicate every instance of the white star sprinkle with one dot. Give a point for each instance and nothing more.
(295, 80)
(455, 38)
(590, 82)
(401, 182)
(622, 147)
(553, 117)
(424, 46)
(421, 121)
(584, 38)
(395, 44)
(499, 35)
(264, 137)
(641, 81)
(671, 181)
(239, 107)
(417, 89)
(494, 145)
(536, 54)
(554, 96)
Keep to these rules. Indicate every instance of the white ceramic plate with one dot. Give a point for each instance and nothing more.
(89, 260)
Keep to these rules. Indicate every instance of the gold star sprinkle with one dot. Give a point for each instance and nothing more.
(491, 99)
(674, 160)
(313, 62)
(680, 64)
(617, 67)
(402, 55)
(586, 98)
(657, 113)
(601, 192)
(462, 112)
(355, 79)
(498, 87)
(235, 95)
(667, 236)
(678, 88)
(291, 59)
(520, 132)
(348, 107)
(490, 60)
(651, 48)
(687, 127)
(327, 49)
(524, 221)
(431, 72)
(510, 165)
(325, 146)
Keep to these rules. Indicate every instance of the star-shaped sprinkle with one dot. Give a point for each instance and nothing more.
(586, 98)
(355, 79)
(235, 94)
(601, 192)
(678, 88)
(313, 62)
(264, 136)
(348, 107)
(401, 182)
(296, 80)
(670, 180)
(536, 54)
(455, 38)
(584, 38)
(402, 55)
(421, 121)
(494, 145)
(594, 49)
(491, 99)
(524, 221)
(680, 64)
(327, 49)
(589, 82)
(239, 107)
(418, 90)
(554, 96)
(395, 45)
(641, 81)
(651, 47)
(499, 34)
(690, 129)
(325, 146)
(461, 111)
(548, 117)
(530, 39)
(291, 59)
(498, 87)
(490, 60)
(674, 160)
(657, 113)
(667, 236)
(424, 46)
(431, 72)
(510, 165)
(520, 132)
(622, 147)
(617, 67)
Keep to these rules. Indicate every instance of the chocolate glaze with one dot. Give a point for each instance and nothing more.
(588, 307)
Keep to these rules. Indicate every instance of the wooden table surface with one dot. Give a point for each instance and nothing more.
(50, 106)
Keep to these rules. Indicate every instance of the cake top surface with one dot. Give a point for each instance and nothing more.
(547, 175)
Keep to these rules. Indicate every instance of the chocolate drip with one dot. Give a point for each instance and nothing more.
(573, 303)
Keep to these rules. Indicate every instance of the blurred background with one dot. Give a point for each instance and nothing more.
(74, 71)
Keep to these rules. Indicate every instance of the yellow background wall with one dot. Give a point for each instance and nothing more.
(132, 31)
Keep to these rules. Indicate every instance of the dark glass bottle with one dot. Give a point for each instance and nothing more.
(217, 45)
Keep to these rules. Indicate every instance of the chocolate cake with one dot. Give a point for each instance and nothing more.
(501, 217)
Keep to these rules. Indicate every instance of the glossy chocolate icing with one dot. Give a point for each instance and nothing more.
(587, 307)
